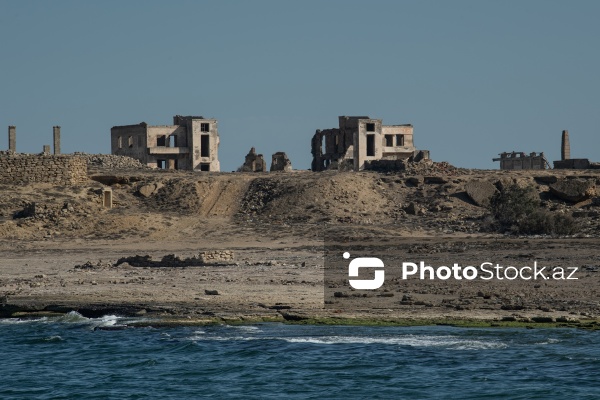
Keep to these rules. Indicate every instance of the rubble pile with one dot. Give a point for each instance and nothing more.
(111, 162)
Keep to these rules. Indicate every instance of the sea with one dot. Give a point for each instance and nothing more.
(73, 357)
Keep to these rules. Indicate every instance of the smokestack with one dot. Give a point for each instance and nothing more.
(12, 138)
(565, 148)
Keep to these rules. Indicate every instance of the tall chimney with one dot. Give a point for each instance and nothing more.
(12, 138)
(565, 148)
(56, 135)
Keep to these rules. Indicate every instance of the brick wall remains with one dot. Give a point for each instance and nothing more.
(18, 168)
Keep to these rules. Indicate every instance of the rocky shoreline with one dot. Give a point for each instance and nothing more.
(245, 248)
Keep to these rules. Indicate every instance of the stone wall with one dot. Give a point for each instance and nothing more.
(16, 168)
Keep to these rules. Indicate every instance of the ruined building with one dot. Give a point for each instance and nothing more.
(360, 142)
(566, 162)
(519, 160)
(191, 143)
(253, 162)
(280, 162)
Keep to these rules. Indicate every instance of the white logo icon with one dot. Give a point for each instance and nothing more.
(365, 262)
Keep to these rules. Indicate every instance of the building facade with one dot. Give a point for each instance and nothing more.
(361, 140)
(191, 143)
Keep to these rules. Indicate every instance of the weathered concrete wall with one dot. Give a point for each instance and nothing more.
(205, 144)
(168, 143)
(122, 145)
(361, 137)
(28, 168)
(573, 163)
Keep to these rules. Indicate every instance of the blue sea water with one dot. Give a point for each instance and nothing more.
(69, 358)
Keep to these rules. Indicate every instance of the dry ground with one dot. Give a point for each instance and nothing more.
(275, 224)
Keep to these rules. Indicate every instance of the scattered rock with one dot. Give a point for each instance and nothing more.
(211, 292)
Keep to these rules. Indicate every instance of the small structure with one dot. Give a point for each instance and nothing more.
(254, 162)
(280, 162)
(519, 161)
(191, 143)
(361, 140)
(107, 198)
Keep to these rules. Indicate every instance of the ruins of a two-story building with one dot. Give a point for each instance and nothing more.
(518, 160)
(191, 143)
(360, 142)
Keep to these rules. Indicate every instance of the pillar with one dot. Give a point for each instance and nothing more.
(107, 201)
(565, 148)
(56, 135)
(46, 149)
(12, 138)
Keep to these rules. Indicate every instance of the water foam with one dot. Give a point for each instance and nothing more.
(450, 342)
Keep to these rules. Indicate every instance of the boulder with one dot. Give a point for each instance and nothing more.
(574, 190)
(480, 192)
(415, 180)
(147, 190)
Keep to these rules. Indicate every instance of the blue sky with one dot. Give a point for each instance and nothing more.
(475, 78)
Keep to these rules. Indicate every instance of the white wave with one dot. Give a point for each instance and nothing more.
(450, 342)
(9, 321)
(549, 341)
(244, 328)
(55, 338)
(72, 317)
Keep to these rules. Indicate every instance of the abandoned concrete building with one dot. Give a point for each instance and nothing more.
(191, 143)
(359, 142)
(519, 160)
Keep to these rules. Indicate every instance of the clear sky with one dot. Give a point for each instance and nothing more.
(475, 78)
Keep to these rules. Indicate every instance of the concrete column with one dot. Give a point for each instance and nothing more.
(56, 135)
(12, 138)
(107, 200)
(46, 149)
(565, 148)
